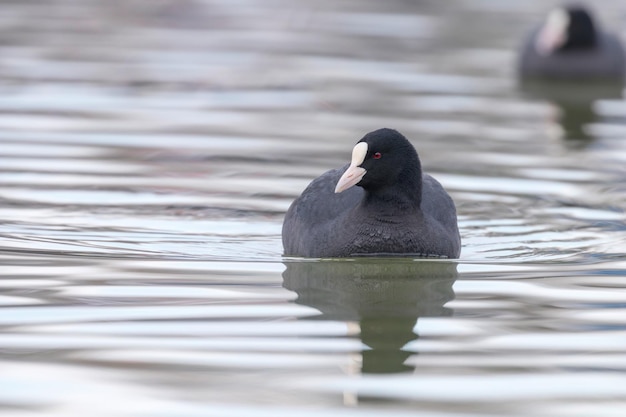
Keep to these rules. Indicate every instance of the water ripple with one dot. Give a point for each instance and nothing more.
(148, 151)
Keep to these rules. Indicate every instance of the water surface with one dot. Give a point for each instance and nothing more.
(148, 151)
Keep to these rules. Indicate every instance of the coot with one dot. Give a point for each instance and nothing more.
(394, 210)
(570, 45)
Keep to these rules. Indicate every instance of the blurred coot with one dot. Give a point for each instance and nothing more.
(571, 45)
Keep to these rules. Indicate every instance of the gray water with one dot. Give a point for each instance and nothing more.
(148, 151)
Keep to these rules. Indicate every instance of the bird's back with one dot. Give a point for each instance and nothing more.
(310, 217)
(604, 61)
(321, 223)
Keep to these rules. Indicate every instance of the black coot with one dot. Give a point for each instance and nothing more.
(570, 45)
(395, 210)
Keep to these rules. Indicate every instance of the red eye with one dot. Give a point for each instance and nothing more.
(377, 155)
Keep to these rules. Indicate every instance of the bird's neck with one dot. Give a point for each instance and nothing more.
(406, 194)
(580, 42)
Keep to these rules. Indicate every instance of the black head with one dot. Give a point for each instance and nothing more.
(386, 165)
(581, 31)
(390, 159)
(566, 29)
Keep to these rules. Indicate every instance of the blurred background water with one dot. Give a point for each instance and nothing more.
(149, 149)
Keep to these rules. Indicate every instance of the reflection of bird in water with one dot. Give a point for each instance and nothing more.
(575, 104)
(385, 296)
(571, 62)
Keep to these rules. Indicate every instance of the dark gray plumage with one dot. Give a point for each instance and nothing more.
(395, 210)
(579, 49)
